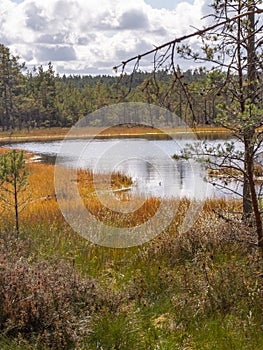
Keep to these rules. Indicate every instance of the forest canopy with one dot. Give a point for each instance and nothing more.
(41, 98)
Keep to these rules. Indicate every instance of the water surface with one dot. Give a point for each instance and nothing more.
(148, 162)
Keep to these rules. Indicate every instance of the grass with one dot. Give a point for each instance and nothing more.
(52, 134)
(197, 290)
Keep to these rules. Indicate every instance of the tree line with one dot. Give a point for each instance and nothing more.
(41, 98)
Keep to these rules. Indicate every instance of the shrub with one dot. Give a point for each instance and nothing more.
(47, 301)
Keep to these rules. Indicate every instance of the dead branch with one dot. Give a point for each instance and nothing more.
(172, 43)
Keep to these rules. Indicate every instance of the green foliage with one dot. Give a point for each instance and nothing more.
(180, 291)
(235, 82)
(13, 182)
(13, 168)
(45, 301)
(113, 331)
(240, 121)
(11, 86)
(6, 343)
(42, 99)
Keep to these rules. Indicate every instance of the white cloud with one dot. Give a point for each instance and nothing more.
(87, 36)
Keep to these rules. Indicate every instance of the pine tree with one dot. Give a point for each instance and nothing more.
(11, 79)
(13, 183)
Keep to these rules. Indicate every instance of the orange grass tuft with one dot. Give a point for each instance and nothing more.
(43, 208)
(113, 217)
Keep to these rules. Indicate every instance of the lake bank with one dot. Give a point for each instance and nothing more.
(145, 157)
(147, 162)
(178, 289)
(56, 134)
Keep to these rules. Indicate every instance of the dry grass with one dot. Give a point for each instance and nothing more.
(196, 290)
(46, 134)
(43, 208)
(35, 132)
(117, 182)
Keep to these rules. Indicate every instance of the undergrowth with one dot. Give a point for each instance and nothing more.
(202, 289)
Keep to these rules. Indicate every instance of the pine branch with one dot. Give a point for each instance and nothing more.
(171, 43)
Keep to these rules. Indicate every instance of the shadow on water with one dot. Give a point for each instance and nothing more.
(48, 159)
(147, 161)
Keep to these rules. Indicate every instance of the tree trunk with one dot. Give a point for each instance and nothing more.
(16, 206)
(256, 209)
(249, 134)
(249, 137)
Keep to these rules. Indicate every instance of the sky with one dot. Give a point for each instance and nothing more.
(90, 37)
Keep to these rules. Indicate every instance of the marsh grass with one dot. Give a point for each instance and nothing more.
(202, 289)
(118, 131)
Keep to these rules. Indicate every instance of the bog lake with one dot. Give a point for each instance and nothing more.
(148, 162)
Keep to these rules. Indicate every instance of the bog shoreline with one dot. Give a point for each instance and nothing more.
(57, 134)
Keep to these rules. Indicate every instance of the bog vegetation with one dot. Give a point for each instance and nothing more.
(202, 289)
(198, 290)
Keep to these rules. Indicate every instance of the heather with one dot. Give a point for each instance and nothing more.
(201, 289)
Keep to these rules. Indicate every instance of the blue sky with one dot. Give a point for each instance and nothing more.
(168, 4)
(90, 37)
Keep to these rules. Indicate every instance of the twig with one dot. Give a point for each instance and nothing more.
(199, 32)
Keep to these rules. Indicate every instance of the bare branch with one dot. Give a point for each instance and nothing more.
(199, 32)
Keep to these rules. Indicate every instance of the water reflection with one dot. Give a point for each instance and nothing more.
(148, 162)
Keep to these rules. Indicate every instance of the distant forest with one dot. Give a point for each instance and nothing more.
(40, 98)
